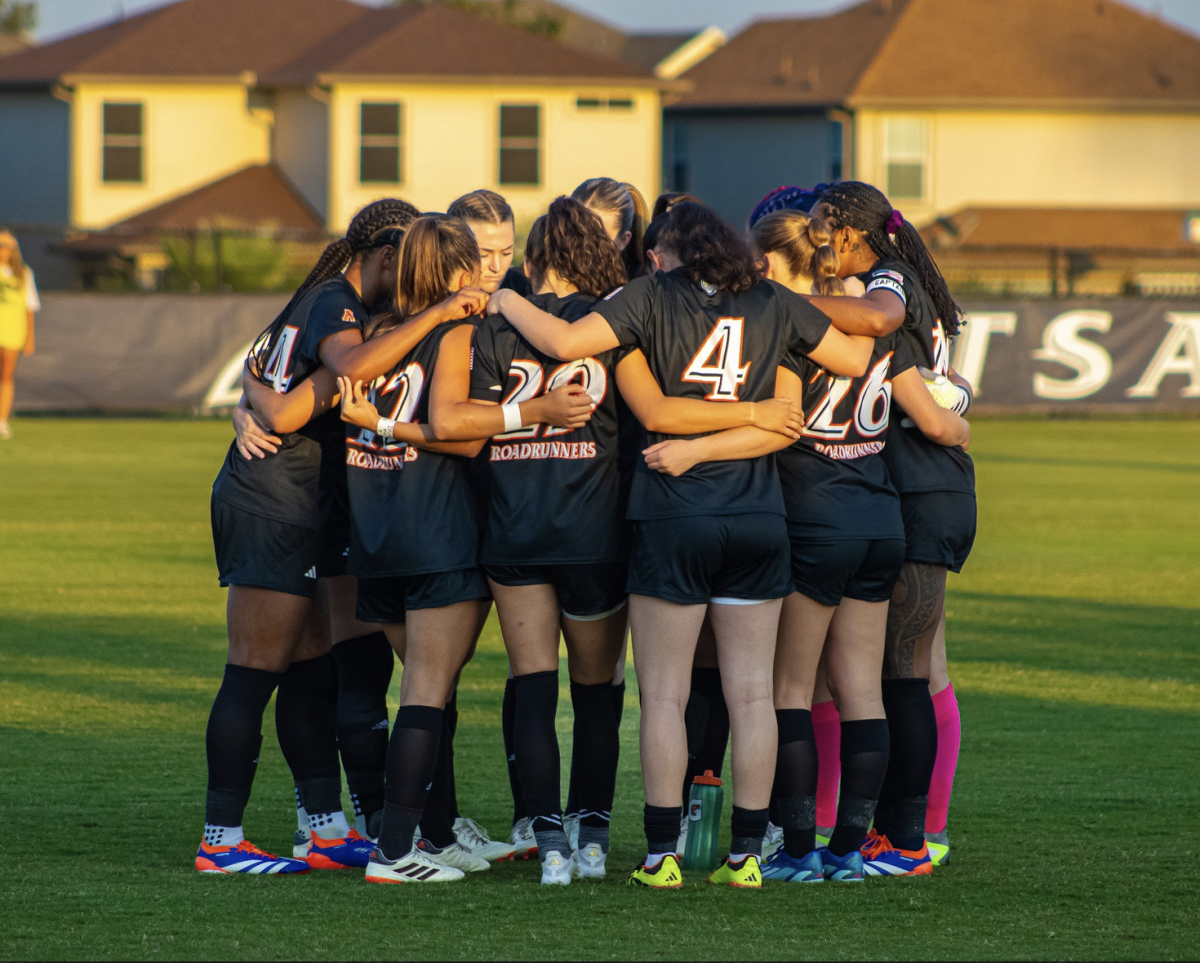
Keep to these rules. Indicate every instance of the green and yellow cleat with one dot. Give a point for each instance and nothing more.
(744, 875)
(939, 848)
(665, 874)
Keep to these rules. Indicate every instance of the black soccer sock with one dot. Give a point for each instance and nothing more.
(411, 761)
(451, 731)
(233, 740)
(912, 723)
(537, 755)
(597, 744)
(618, 697)
(864, 761)
(305, 709)
(437, 823)
(661, 824)
(748, 826)
(508, 718)
(794, 799)
(706, 719)
(364, 672)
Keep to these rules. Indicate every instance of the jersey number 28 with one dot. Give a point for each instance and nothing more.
(718, 363)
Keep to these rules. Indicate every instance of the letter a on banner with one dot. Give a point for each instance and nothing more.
(1062, 344)
(1178, 354)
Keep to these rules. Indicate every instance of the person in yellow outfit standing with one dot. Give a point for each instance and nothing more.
(18, 304)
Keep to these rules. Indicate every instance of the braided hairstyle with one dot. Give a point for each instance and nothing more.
(803, 242)
(866, 209)
(379, 224)
(570, 241)
(711, 251)
(485, 207)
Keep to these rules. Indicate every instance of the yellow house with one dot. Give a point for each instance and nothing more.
(347, 103)
(948, 104)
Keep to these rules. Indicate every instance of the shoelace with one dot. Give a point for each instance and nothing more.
(475, 835)
(248, 847)
(878, 845)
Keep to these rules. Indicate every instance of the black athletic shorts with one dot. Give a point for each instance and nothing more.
(939, 527)
(865, 569)
(257, 552)
(585, 592)
(711, 558)
(386, 600)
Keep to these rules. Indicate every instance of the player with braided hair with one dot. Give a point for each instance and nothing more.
(937, 492)
(280, 531)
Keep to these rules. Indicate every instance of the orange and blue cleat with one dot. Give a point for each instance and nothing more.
(351, 852)
(881, 858)
(245, 857)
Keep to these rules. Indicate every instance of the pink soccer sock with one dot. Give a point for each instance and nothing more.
(827, 727)
(949, 730)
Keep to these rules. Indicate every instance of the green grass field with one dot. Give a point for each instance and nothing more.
(1075, 647)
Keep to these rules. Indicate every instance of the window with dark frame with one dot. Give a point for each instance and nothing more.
(520, 144)
(122, 144)
(379, 160)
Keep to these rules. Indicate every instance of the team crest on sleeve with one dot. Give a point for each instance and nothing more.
(348, 316)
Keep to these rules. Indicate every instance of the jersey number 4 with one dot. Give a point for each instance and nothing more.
(278, 372)
(718, 363)
(588, 373)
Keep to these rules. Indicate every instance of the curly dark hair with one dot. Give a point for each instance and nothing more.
(711, 250)
(570, 241)
(379, 224)
(867, 209)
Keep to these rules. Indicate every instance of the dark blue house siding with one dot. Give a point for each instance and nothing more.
(730, 159)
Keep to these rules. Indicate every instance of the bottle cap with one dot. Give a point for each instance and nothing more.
(708, 779)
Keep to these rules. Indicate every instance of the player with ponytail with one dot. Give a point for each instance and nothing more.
(623, 212)
(847, 541)
(280, 533)
(415, 534)
(936, 484)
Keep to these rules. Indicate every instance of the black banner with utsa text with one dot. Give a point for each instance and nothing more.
(184, 353)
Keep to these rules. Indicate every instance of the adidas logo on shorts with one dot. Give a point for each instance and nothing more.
(311, 573)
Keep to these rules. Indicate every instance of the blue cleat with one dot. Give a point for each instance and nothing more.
(788, 869)
(245, 857)
(842, 869)
(881, 858)
(353, 851)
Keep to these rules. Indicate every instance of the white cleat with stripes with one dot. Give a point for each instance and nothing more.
(416, 867)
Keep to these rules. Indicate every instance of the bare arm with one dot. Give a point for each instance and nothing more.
(677, 456)
(843, 354)
(455, 416)
(940, 425)
(348, 356)
(290, 412)
(558, 338)
(688, 416)
(29, 344)
(252, 439)
(874, 314)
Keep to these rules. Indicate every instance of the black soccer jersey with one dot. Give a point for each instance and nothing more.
(716, 346)
(915, 463)
(301, 484)
(835, 482)
(421, 519)
(555, 493)
(515, 280)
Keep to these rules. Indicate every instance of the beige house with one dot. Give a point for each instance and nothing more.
(346, 103)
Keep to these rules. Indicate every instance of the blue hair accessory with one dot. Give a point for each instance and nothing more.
(787, 199)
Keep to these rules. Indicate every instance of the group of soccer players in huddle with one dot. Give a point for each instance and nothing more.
(746, 451)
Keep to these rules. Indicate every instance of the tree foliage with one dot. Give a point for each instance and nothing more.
(507, 12)
(18, 17)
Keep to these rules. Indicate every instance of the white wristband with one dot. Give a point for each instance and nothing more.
(512, 417)
(385, 429)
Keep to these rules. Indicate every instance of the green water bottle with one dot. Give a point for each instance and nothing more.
(704, 823)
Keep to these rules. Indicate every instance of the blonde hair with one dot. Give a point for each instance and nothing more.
(803, 242)
(15, 262)
(484, 207)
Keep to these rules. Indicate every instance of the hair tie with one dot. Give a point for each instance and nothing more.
(894, 222)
